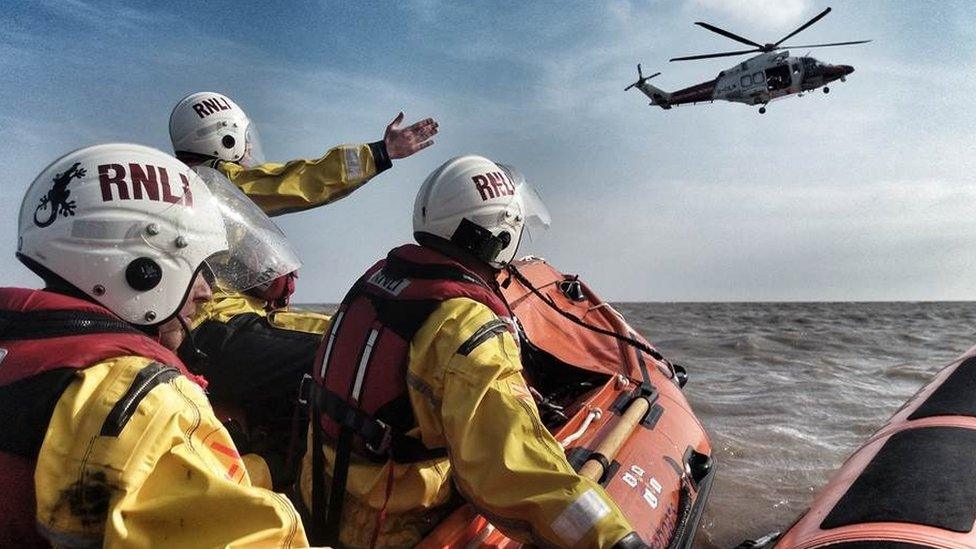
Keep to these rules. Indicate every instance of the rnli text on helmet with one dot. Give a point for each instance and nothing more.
(209, 106)
(493, 185)
(146, 183)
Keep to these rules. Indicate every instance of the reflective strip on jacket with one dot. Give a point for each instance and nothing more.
(170, 477)
(302, 184)
(502, 458)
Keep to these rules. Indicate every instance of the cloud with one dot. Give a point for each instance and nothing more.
(770, 14)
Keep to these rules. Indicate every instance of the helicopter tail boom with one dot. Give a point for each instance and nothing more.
(658, 96)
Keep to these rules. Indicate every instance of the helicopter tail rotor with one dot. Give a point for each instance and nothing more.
(641, 78)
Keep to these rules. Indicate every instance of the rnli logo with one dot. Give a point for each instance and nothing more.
(493, 185)
(141, 182)
(210, 106)
(388, 284)
(55, 201)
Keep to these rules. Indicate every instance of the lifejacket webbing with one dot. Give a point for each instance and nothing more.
(379, 437)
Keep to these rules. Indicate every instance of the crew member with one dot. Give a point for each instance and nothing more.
(257, 349)
(419, 389)
(109, 440)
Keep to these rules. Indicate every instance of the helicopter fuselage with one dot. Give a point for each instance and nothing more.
(755, 81)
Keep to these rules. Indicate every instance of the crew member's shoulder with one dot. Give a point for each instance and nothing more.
(136, 382)
(461, 313)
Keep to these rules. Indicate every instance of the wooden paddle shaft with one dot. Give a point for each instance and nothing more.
(593, 469)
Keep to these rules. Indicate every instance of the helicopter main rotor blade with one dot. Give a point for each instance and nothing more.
(825, 45)
(804, 26)
(727, 34)
(711, 55)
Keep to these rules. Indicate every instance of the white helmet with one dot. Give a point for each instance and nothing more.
(479, 206)
(210, 125)
(127, 225)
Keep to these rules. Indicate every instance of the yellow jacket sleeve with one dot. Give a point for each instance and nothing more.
(226, 305)
(134, 457)
(302, 184)
(504, 460)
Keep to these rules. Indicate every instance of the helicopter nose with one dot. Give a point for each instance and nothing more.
(833, 72)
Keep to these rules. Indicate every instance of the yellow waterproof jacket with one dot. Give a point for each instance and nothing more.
(171, 477)
(293, 187)
(302, 184)
(502, 458)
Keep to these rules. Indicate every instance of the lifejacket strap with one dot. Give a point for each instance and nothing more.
(380, 439)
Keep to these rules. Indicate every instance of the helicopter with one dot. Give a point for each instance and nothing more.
(773, 74)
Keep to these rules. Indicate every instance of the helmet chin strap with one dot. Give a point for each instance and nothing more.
(197, 356)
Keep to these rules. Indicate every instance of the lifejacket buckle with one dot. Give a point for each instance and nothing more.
(305, 389)
(385, 441)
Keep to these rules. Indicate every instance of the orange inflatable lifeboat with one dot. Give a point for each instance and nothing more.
(613, 402)
(911, 485)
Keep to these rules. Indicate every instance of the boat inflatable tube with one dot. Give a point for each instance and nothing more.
(614, 403)
(911, 485)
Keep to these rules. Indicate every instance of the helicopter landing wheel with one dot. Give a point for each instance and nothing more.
(826, 89)
(762, 110)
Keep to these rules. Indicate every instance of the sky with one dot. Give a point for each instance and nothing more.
(867, 193)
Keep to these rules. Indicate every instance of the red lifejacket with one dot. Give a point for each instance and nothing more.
(362, 362)
(44, 338)
(360, 399)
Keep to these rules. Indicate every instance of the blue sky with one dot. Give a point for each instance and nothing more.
(863, 194)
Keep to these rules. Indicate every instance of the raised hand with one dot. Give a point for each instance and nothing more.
(403, 142)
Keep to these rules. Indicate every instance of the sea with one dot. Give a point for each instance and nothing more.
(788, 390)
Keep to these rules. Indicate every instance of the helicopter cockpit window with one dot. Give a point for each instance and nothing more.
(745, 81)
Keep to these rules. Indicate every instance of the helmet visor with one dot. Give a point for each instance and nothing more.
(258, 252)
(253, 151)
(534, 210)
